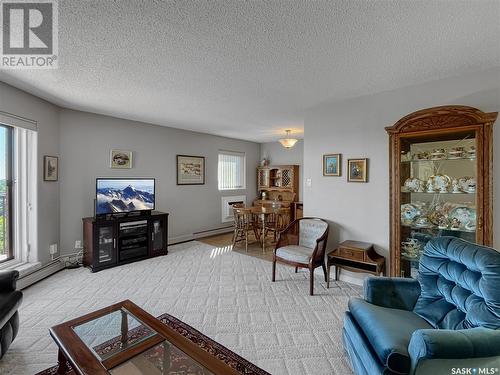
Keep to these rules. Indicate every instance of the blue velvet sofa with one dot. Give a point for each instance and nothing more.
(446, 322)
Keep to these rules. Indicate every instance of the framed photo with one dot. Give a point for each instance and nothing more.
(50, 168)
(332, 165)
(120, 159)
(357, 170)
(190, 170)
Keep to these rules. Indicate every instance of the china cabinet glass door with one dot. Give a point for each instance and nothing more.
(438, 194)
(441, 181)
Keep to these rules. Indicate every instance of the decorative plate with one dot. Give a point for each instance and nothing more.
(408, 213)
(465, 216)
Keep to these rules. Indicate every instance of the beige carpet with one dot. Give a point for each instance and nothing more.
(226, 295)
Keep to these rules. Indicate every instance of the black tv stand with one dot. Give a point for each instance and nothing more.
(122, 215)
(111, 240)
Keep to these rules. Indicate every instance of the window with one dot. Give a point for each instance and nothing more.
(18, 190)
(231, 170)
(6, 204)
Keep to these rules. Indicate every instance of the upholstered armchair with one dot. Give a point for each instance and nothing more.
(302, 244)
(447, 319)
(10, 300)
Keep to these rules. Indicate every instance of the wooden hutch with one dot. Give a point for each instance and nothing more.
(278, 184)
(441, 181)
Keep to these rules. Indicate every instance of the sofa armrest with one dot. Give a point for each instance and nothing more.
(8, 281)
(392, 292)
(453, 344)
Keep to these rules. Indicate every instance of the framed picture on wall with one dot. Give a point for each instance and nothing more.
(357, 170)
(120, 159)
(50, 168)
(190, 170)
(332, 165)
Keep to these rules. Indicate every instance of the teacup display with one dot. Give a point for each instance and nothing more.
(467, 184)
(421, 156)
(422, 222)
(414, 185)
(438, 154)
(456, 153)
(411, 248)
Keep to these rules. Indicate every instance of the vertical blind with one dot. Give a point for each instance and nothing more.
(231, 170)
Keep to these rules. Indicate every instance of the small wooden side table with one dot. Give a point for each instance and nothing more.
(355, 256)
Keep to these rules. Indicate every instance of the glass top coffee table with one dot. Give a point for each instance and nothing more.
(123, 339)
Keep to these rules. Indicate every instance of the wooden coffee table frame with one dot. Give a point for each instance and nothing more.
(84, 362)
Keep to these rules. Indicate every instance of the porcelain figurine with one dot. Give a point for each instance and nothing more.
(455, 224)
(430, 185)
(455, 187)
(420, 186)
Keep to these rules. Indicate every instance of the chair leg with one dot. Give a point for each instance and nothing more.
(324, 272)
(274, 270)
(311, 281)
(235, 237)
(328, 279)
(296, 269)
(246, 241)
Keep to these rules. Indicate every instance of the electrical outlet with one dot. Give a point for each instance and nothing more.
(53, 249)
(78, 244)
(308, 182)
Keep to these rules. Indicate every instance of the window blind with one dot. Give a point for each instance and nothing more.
(231, 170)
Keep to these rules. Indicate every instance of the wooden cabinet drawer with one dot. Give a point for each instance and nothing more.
(351, 253)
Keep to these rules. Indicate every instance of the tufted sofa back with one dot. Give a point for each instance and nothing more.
(460, 285)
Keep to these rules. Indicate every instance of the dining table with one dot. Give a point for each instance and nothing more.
(263, 212)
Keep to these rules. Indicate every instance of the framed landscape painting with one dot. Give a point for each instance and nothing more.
(332, 165)
(50, 168)
(190, 170)
(357, 170)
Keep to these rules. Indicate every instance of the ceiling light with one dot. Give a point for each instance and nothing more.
(288, 142)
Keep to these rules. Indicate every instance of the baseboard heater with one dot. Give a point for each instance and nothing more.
(40, 274)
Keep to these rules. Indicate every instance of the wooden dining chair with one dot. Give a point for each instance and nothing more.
(278, 222)
(302, 245)
(243, 224)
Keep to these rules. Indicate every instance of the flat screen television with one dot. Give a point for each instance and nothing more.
(117, 195)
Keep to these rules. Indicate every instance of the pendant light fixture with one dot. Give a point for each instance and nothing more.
(288, 142)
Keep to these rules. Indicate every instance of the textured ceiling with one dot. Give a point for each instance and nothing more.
(249, 69)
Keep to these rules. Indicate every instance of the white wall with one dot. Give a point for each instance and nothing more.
(355, 128)
(19, 103)
(279, 155)
(86, 140)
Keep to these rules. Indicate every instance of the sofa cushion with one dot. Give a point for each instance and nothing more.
(9, 303)
(459, 285)
(388, 331)
(294, 253)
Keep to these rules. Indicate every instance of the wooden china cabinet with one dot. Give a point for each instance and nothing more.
(441, 181)
(278, 184)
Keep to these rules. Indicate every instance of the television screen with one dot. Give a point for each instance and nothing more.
(124, 195)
